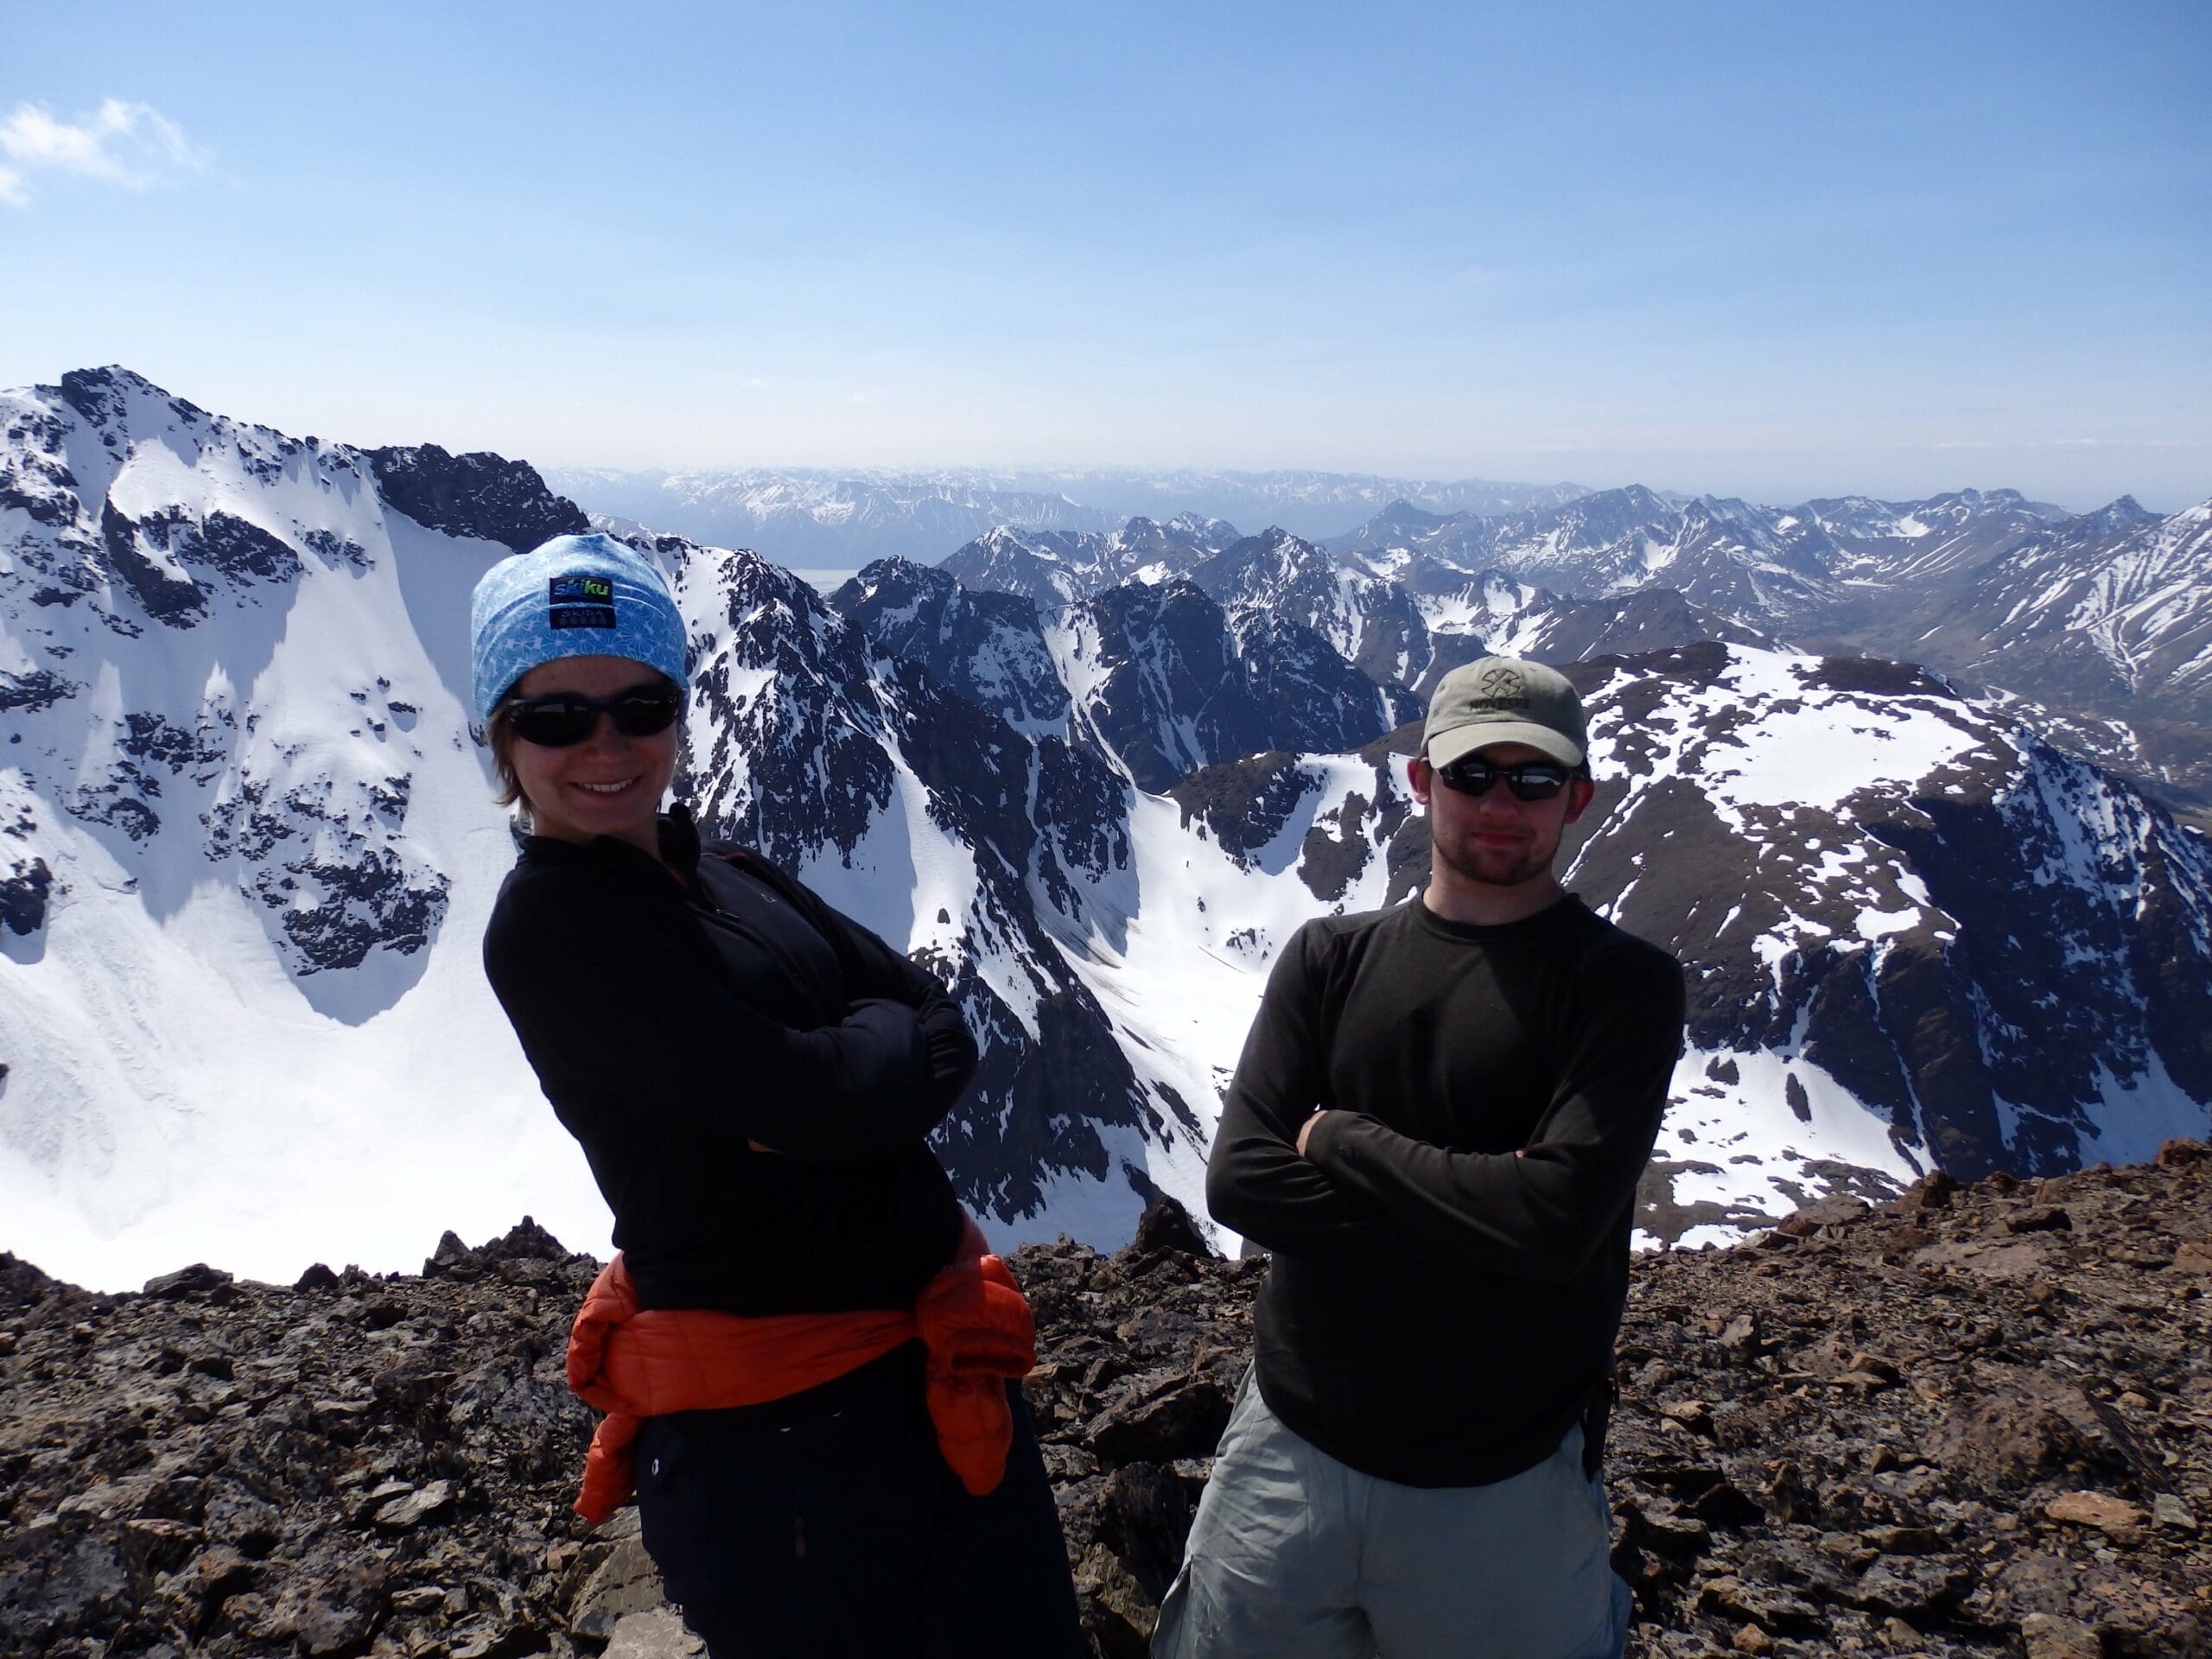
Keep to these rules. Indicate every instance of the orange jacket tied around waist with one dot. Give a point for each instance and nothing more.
(634, 1364)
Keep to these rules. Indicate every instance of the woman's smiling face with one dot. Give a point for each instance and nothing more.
(609, 784)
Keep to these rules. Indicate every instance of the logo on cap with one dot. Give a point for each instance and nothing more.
(1501, 688)
(579, 602)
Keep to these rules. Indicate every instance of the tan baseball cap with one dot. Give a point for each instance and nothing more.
(1505, 700)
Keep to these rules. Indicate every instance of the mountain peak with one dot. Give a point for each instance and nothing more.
(1402, 514)
(2124, 513)
(102, 396)
(479, 494)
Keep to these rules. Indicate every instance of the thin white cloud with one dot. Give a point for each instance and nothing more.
(123, 142)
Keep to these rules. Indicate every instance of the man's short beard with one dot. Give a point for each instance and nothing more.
(1525, 863)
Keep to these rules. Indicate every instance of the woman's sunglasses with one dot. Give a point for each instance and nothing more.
(1537, 780)
(563, 720)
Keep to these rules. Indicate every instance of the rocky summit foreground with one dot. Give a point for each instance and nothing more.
(1978, 1422)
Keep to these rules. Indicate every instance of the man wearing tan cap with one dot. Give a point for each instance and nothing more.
(1436, 1129)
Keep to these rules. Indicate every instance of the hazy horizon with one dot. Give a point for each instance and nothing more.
(1022, 476)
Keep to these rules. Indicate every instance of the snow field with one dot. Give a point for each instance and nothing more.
(174, 1092)
(1185, 978)
(1758, 1145)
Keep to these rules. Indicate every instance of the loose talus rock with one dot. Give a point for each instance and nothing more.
(1955, 1425)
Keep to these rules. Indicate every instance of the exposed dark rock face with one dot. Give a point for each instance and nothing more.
(40, 689)
(1173, 684)
(1081, 809)
(477, 494)
(167, 595)
(1305, 694)
(1974, 1421)
(34, 475)
(1917, 979)
(1651, 619)
(985, 646)
(372, 900)
(796, 762)
(1243, 805)
(1167, 687)
(1373, 623)
(97, 394)
(1037, 1104)
(230, 549)
(324, 861)
(23, 894)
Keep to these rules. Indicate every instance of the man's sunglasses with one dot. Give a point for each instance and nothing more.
(563, 720)
(1537, 780)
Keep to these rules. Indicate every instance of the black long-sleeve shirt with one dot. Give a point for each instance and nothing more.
(671, 1021)
(1451, 1258)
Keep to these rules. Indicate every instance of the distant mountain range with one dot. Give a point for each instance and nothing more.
(812, 518)
(246, 847)
(2104, 619)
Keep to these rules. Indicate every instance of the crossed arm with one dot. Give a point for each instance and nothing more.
(617, 1016)
(1257, 1183)
(1343, 1185)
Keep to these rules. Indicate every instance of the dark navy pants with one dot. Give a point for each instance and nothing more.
(828, 1525)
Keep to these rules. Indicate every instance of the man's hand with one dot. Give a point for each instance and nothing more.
(1307, 1128)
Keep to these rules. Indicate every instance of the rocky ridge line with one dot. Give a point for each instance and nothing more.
(1976, 1421)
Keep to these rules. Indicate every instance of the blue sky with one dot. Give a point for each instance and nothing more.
(1765, 249)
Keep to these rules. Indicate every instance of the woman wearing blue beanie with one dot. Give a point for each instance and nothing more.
(806, 1355)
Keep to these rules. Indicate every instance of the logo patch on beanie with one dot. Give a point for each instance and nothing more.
(579, 602)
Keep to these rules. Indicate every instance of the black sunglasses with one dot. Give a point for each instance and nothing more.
(564, 719)
(1535, 781)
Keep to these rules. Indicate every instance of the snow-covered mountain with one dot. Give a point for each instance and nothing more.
(1396, 636)
(1724, 554)
(1893, 542)
(1313, 504)
(2106, 618)
(816, 518)
(247, 840)
(2112, 606)
(1055, 567)
(1373, 622)
(249, 850)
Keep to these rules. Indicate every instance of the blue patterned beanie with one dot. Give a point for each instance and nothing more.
(575, 596)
